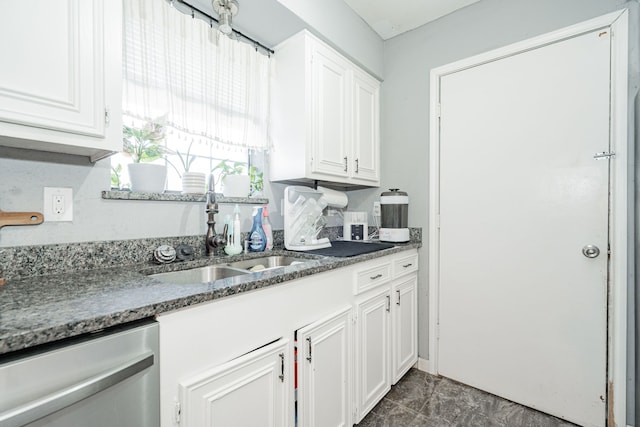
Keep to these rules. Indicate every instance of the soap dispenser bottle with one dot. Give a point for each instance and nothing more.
(257, 238)
(234, 245)
(268, 230)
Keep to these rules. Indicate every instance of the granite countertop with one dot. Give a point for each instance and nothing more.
(43, 309)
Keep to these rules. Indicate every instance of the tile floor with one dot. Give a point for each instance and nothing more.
(422, 400)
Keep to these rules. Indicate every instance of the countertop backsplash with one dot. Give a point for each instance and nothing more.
(28, 261)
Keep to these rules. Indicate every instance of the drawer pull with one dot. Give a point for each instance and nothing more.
(309, 348)
(398, 301)
(407, 265)
(377, 276)
(388, 303)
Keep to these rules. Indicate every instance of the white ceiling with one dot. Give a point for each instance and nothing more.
(390, 18)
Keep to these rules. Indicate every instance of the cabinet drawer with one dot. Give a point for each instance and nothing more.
(372, 277)
(405, 265)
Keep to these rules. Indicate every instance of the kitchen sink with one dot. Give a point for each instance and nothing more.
(212, 273)
(206, 274)
(265, 263)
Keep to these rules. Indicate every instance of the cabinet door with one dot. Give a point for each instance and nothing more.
(372, 352)
(366, 128)
(404, 325)
(324, 372)
(53, 76)
(250, 391)
(329, 113)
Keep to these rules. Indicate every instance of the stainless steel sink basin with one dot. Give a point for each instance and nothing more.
(265, 263)
(212, 273)
(199, 275)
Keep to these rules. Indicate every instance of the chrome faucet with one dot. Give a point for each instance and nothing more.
(213, 240)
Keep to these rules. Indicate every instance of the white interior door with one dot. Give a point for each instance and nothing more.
(522, 312)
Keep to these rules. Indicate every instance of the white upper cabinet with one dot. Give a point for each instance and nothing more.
(329, 112)
(60, 85)
(366, 140)
(325, 116)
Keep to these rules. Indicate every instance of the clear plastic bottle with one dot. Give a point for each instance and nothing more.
(268, 230)
(257, 238)
(236, 227)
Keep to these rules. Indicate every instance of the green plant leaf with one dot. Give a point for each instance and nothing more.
(143, 144)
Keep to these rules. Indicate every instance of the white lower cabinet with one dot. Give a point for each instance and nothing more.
(324, 372)
(252, 390)
(386, 316)
(404, 325)
(372, 351)
(230, 362)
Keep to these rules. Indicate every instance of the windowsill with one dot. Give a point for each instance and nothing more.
(174, 196)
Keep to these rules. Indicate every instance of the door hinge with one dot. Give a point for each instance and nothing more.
(176, 413)
(438, 110)
(107, 116)
(604, 155)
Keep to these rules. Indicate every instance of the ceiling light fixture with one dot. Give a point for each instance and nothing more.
(226, 10)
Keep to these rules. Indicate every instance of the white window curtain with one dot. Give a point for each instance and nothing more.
(198, 82)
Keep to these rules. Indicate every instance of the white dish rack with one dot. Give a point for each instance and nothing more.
(303, 219)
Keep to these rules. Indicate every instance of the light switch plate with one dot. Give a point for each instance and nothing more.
(58, 204)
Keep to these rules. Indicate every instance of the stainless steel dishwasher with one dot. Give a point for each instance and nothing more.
(106, 379)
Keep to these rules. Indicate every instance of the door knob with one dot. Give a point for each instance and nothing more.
(590, 251)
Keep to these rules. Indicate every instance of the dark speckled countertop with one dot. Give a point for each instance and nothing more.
(43, 309)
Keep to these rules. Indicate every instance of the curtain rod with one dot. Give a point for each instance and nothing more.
(206, 15)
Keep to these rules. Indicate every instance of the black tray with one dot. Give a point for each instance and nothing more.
(346, 248)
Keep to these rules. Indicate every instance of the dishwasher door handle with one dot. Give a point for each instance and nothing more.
(51, 403)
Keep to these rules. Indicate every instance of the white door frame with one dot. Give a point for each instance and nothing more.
(617, 300)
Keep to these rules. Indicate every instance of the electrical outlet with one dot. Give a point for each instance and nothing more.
(58, 204)
(376, 209)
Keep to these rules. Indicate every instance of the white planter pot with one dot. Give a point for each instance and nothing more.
(236, 186)
(193, 183)
(147, 178)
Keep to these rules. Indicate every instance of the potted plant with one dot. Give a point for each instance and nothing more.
(143, 145)
(192, 182)
(234, 183)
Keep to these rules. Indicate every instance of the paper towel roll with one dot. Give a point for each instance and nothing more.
(335, 199)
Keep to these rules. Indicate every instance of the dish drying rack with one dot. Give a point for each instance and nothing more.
(303, 219)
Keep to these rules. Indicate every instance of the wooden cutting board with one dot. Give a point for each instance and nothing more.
(20, 218)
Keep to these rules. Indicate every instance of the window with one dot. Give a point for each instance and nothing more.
(208, 94)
